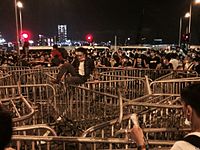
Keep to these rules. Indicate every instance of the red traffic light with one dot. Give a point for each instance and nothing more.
(25, 36)
(185, 38)
(89, 38)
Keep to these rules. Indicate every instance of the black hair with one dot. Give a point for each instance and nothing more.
(81, 49)
(55, 46)
(196, 59)
(5, 128)
(190, 95)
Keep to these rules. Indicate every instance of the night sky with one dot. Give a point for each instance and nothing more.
(103, 18)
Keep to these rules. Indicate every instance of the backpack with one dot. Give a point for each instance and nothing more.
(193, 139)
(63, 53)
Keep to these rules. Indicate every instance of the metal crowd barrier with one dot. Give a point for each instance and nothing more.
(172, 86)
(86, 106)
(19, 107)
(10, 75)
(8, 79)
(90, 104)
(39, 130)
(135, 72)
(178, 75)
(24, 113)
(52, 71)
(34, 102)
(12, 68)
(42, 97)
(160, 116)
(130, 87)
(78, 143)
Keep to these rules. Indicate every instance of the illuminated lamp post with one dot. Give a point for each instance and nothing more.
(187, 15)
(20, 6)
(195, 2)
(17, 29)
(128, 39)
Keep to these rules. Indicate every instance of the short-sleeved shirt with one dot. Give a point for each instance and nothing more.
(183, 145)
(153, 62)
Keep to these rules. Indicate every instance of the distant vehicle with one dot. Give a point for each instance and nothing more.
(196, 47)
(98, 48)
(130, 48)
(163, 46)
(39, 48)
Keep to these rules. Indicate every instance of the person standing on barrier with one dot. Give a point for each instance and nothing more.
(5, 128)
(80, 69)
(191, 105)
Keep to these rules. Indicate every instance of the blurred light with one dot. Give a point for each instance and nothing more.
(187, 15)
(25, 35)
(2, 40)
(19, 4)
(197, 1)
(31, 41)
(89, 38)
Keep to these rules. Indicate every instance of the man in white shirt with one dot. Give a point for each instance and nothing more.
(174, 61)
(80, 69)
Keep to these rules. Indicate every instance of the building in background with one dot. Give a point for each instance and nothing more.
(62, 34)
(2, 40)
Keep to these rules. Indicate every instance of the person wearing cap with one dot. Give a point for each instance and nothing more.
(80, 69)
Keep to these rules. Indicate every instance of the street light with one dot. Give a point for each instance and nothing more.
(20, 6)
(187, 15)
(17, 29)
(195, 2)
(128, 39)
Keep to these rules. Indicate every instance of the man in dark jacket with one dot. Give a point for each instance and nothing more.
(80, 69)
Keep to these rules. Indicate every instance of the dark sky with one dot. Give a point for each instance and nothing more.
(103, 18)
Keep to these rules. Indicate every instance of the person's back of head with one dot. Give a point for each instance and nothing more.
(190, 95)
(5, 128)
(55, 46)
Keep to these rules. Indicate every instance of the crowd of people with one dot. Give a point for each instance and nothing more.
(81, 62)
(152, 59)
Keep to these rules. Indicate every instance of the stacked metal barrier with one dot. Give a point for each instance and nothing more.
(18, 98)
(95, 110)
(158, 116)
(151, 73)
(172, 86)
